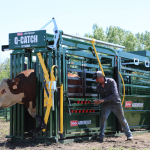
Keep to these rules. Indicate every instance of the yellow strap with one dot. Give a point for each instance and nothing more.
(47, 100)
(49, 105)
(123, 87)
(61, 108)
(46, 75)
(93, 41)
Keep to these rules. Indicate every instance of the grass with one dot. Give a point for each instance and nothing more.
(112, 148)
(4, 129)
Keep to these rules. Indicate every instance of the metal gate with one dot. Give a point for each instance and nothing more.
(76, 56)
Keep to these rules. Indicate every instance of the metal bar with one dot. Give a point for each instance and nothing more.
(5, 48)
(45, 56)
(96, 41)
(41, 94)
(37, 90)
(51, 112)
(11, 108)
(14, 110)
(18, 105)
(135, 70)
(61, 109)
(22, 107)
(133, 75)
(136, 110)
(46, 24)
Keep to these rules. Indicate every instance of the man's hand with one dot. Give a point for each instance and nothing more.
(99, 101)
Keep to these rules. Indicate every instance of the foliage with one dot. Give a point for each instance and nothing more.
(116, 35)
(5, 69)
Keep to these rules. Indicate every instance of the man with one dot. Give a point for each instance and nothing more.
(107, 88)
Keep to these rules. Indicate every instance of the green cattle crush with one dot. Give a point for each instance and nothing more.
(75, 55)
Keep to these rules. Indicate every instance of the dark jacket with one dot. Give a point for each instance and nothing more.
(110, 91)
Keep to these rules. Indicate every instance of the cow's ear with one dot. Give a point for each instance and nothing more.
(15, 82)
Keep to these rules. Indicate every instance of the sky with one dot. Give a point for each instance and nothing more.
(73, 17)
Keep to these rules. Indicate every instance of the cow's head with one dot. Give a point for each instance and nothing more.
(8, 92)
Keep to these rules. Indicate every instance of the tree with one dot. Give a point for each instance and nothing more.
(147, 40)
(130, 42)
(98, 33)
(115, 35)
(140, 38)
(119, 36)
(5, 69)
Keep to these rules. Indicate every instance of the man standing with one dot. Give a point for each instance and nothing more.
(107, 88)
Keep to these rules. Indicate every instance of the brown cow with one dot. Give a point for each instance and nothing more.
(22, 90)
(74, 82)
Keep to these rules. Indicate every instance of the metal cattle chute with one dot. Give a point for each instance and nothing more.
(66, 102)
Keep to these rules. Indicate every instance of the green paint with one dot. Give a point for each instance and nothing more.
(74, 56)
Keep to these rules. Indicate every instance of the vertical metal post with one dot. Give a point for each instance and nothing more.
(51, 112)
(11, 108)
(45, 56)
(41, 93)
(55, 100)
(37, 89)
(61, 111)
(14, 107)
(18, 105)
(66, 86)
(22, 107)
(6, 114)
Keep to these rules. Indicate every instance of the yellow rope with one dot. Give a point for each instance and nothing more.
(123, 87)
(93, 41)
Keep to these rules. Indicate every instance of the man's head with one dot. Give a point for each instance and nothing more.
(99, 77)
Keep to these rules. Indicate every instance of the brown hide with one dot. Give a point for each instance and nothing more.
(26, 85)
(74, 82)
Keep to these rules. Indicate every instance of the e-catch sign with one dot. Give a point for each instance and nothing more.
(28, 39)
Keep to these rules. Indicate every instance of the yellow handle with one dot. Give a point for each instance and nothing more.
(123, 87)
(46, 75)
(47, 100)
(61, 108)
(49, 105)
(93, 41)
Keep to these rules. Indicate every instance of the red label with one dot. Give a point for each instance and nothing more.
(128, 104)
(19, 34)
(74, 123)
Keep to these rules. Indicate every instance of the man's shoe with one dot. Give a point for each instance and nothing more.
(100, 140)
(129, 138)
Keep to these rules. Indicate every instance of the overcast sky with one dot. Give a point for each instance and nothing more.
(73, 17)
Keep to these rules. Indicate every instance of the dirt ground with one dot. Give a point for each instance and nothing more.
(139, 142)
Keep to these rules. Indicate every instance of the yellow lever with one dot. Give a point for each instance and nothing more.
(123, 87)
(48, 101)
(93, 41)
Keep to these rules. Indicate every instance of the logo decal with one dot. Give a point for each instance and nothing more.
(137, 105)
(74, 123)
(77, 123)
(128, 104)
(19, 34)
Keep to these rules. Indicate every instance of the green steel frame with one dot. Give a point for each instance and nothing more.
(76, 56)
